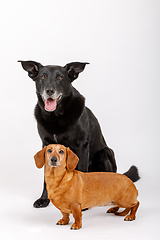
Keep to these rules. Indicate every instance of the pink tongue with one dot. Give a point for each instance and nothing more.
(50, 104)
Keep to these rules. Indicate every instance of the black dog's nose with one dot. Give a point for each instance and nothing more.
(53, 159)
(49, 91)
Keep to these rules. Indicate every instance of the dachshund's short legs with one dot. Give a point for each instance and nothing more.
(113, 210)
(132, 216)
(64, 220)
(77, 214)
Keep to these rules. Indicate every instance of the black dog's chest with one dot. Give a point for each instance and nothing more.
(53, 133)
(68, 129)
(55, 138)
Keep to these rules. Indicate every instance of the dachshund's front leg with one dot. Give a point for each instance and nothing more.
(64, 220)
(77, 214)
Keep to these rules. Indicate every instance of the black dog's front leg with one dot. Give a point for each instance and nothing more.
(43, 201)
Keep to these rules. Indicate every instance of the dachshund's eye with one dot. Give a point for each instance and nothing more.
(44, 76)
(49, 150)
(61, 152)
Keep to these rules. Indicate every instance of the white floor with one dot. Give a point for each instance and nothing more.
(19, 220)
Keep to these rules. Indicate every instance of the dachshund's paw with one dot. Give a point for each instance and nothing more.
(75, 226)
(62, 222)
(113, 210)
(129, 218)
(40, 203)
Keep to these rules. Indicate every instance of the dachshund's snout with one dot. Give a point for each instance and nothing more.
(54, 162)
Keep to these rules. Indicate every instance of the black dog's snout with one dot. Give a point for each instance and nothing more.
(54, 160)
(49, 91)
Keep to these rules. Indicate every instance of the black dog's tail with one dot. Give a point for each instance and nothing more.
(132, 173)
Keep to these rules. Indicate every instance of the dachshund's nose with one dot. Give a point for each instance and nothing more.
(54, 160)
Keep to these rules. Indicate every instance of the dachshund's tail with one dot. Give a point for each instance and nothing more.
(133, 173)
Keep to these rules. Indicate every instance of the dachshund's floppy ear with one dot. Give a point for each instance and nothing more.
(39, 158)
(71, 160)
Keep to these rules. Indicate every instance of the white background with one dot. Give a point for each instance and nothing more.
(121, 40)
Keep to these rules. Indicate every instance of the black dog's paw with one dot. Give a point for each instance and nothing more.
(40, 203)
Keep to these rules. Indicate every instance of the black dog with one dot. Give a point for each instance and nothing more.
(62, 118)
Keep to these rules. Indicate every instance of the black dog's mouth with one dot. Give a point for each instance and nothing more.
(51, 103)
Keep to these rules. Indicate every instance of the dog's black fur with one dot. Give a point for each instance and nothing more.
(63, 118)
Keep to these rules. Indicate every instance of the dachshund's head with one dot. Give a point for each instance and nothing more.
(56, 156)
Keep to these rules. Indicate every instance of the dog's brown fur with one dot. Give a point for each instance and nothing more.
(72, 191)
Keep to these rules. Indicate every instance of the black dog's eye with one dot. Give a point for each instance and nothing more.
(61, 152)
(44, 76)
(49, 150)
(59, 77)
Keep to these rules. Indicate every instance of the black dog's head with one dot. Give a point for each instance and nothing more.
(53, 82)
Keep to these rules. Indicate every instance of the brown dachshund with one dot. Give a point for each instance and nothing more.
(72, 191)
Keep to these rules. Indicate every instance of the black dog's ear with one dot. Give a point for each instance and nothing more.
(31, 67)
(74, 69)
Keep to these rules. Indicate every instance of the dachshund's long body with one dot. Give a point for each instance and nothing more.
(72, 191)
(90, 190)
